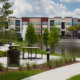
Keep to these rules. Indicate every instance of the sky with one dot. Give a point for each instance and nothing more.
(46, 8)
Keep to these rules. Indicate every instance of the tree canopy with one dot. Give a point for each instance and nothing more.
(45, 37)
(31, 36)
(54, 36)
(5, 12)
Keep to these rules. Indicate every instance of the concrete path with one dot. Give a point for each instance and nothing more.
(62, 73)
(4, 48)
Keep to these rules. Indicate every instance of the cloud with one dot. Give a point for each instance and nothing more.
(40, 8)
(70, 0)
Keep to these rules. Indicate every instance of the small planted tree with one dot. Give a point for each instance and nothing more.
(31, 36)
(54, 37)
(71, 29)
(45, 37)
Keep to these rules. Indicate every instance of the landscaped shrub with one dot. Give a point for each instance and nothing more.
(7, 69)
(21, 67)
(28, 66)
(58, 62)
(44, 64)
(1, 67)
(4, 41)
(50, 63)
(34, 65)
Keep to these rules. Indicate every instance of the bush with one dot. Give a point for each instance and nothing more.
(34, 65)
(28, 66)
(3, 41)
(50, 63)
(21, 67)
(1, 67)
(44, 64)
(7, 69)
(68, 59)
(58, 62)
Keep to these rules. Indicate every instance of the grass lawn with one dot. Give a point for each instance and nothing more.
(18, 75)
(77, 77)
(2, 53)
(21, 43)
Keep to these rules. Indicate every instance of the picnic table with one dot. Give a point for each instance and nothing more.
(30, 49)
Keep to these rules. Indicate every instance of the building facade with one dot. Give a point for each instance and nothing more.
(61, 23)
(40, 23)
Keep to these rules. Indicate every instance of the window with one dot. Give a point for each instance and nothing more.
(78, 20)
(25, 23)
(38, 29)
(11, 22)
(17, 28)
(44, 23)
(38, 23)
(63, 25)
(74, 23)
(68, 23)
(51, 22)
(58, 23)
(17, 22)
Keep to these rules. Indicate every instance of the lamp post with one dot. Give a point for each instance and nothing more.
(48, 54)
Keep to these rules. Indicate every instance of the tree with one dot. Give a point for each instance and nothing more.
(5, 12)
(73, 29)
(45, 37)
(54, 37)
(31, 36)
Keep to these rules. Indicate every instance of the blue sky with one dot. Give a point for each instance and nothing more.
(46, 8)
(70, 5)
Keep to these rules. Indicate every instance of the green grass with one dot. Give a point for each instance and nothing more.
(2, 53)
(77, 77)
(18, 75)
(21, 43)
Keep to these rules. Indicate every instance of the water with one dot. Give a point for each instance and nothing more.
(68, 48)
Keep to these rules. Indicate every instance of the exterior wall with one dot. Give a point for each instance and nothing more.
(40, 23)
(44, 24)
(58, 23)
(68, 22)
(25, 23)
(36, 23)
(20, 26)
(74, 21)
(50, 24)
(12, 23)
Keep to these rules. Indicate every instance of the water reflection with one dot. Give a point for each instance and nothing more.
(68, 48)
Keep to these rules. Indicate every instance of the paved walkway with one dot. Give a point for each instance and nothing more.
(62, 73)
(4, 48)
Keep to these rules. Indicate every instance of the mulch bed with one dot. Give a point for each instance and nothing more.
(39, 67)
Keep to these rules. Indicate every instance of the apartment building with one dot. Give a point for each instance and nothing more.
(61, 23)
(15, 23)
(40, 23)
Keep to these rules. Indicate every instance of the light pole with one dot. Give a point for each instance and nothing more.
(48, 54)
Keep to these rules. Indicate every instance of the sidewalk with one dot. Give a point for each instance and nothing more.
(62, 73)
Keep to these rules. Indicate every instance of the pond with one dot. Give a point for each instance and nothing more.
(68, 48)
